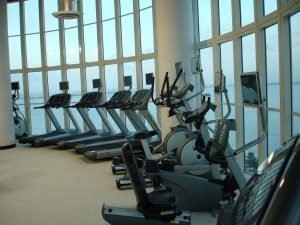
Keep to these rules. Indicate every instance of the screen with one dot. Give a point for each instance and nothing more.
(127, 81)
(219, 82)
(97, 83)
(196, 65)
(15, 86)
(179, 67)
(64, 85)
(251, 89)
(149, 78)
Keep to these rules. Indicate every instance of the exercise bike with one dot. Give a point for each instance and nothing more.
(19, 118)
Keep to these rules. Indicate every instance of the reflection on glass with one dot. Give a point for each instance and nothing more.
(250, 129)
(204, 13)
(90, 43)
(32, 23)
(51, 23)
(272, 63)
(269, 6)
(247, 12)
(227, 67)
(128, 35)
(146, 23)
(54, 77)
(225, 12)
(73, 77)
(126, 6)
(71, 44)
(273, 131)
(52, 48)
(109, 39)
(33, 48)
(248, 53)
(295, 55)
(89, 11)
(13, 19)
(108, 9)
(15, 58)
(35, 87)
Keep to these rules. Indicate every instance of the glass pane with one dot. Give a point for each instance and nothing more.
(250, 129)
(145, 3)
(13, 19)
(295, 55)
(15, 58)
(273, 131)
(129, 69)
(128, 35)
(54, 77)
(204, 13)
(248, 53)
(91, 74)
(269, 6)
(70, 23)
(108, 9)
(89, 11)
(52, 48)
(247, 12)
(232, 134)
(73, 76)
(33, 50)
(227, 67)
(296, 125)
(90, 43)
(272, 63)
(146, 23)
(72, 46)
(35, 86)
(126, 6)
(51, 23)
(111, 84)
(20, 102)
(208, 76)
(225, 12)
(32, 22)
(109, 39)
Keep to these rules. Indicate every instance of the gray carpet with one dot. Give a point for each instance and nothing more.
(44, 186)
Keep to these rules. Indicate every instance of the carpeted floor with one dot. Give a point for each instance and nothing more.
(45, 186)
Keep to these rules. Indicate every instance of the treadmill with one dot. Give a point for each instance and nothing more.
(139, 101)
(114, 103)
(55, 101)
(88, 100)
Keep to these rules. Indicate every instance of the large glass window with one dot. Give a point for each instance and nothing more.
(90, 43)
(20, 102)
(145, 3)
(35, 83)
(15, 57)
(146, 23)
(32, 23)
(33, 47)
(126, 6)
(72, 46)
(109, 39)
(225, 14)
(249, 53)
(13, 19)
(52, 48)
(205, 26)
(89, 12)
(269, 6)
(295, 67)
(108, 9)
(51, 23)
(247, 12)
(128, 35)
(273, 131)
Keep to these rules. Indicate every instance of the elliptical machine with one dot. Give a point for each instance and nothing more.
(19, 119)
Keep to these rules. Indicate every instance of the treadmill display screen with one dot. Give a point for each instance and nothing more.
(97, 83)
(149, 78)
(127, 81)
(64, 85)
(251, 89)
(15, 85)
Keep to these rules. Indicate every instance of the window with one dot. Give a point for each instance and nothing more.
(90, 43)
(225, 14)
(89, 12)
(33, 46)
(247, 12)
(249, 53)
(145, 3)
(269, 6)
(128, 44)
(13, 19)
(126, 6)
(109, 39)
(146, 23)
(129, 69)
(51, 23)
(205, 26)
(17, 77)
(15, 57)
(108, 9)
(35, 83)
(72, 46)
(32, 23)
(52, 48)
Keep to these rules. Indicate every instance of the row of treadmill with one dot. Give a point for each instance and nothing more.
(195, 168)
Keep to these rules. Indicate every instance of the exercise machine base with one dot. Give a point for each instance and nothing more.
(115, 215)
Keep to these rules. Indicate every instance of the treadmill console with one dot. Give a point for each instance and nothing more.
(97, 83)
(15, 85)
(64, 85)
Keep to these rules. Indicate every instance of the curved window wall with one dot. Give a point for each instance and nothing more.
(245, 36)
(112, 39)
